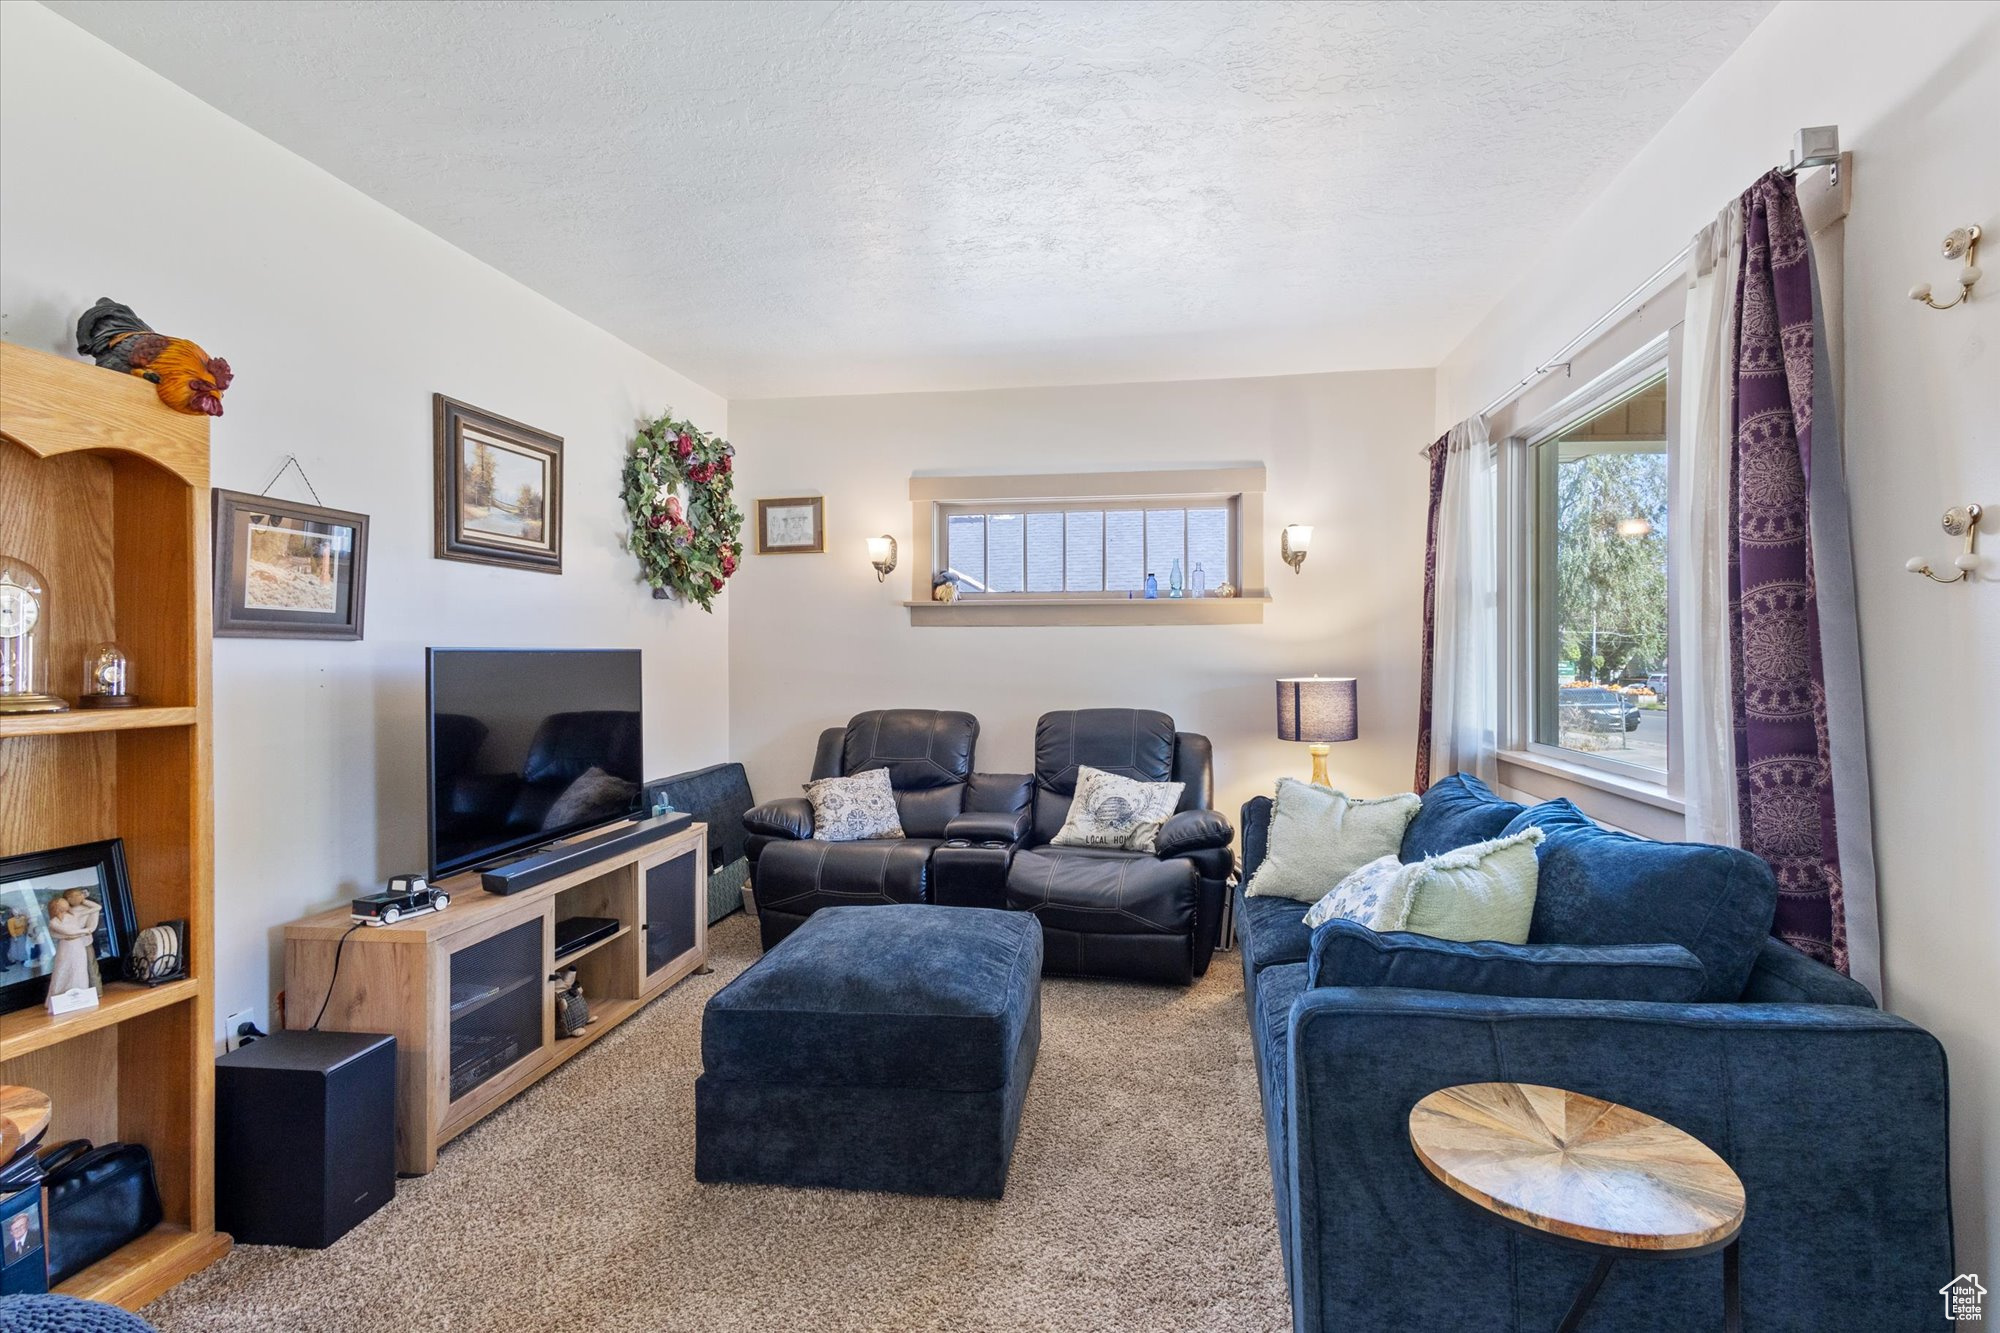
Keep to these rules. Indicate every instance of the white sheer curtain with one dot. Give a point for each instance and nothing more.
(1465, 673)
(1698, 689)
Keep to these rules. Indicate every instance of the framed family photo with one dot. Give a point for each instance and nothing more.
(288, 571)
(44, 896)
(794, 526)
(499, 489)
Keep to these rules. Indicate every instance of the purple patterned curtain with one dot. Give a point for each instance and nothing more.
(1784, 770)
(1438, 453)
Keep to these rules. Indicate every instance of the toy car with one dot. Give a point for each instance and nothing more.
(408, 896)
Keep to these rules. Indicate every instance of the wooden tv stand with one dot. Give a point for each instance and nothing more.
(467, 991)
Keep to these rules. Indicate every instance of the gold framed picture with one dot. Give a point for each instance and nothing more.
(499, 489)
(795, 525)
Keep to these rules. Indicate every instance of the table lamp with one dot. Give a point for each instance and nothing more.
(1317, 710)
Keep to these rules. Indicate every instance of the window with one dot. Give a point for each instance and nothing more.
(1090, 549)
(1600, 684)
(1074, 548)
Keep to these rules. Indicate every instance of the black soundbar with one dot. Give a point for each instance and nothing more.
(542, 867)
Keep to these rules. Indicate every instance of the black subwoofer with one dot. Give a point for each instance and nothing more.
(305, 1136)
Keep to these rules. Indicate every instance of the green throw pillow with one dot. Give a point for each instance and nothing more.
(1482, 892)
(1320, 836)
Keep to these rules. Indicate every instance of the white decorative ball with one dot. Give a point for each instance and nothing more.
(1967, 562)
(1915, 564)
(1969, 275)
(1921, 292)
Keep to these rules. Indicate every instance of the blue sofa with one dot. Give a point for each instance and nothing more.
(1677, 1002)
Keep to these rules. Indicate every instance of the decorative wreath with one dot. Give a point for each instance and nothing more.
(686, 546)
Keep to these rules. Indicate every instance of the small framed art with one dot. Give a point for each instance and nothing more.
(499, 489)
(84, 885)
(795, 526)
(288, 571)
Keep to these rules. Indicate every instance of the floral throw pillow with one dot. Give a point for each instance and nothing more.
(1368, 896)
(1113, 811)
(850, 809)
(1482, 892)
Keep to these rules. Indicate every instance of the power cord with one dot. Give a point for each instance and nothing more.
(331, 981)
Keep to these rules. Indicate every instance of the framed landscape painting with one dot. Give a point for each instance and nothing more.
(288, 571)
(499, 489)
(793, 526)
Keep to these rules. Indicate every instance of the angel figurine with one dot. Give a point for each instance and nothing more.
(74, 969)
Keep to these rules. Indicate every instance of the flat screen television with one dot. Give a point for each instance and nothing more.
(526, 746)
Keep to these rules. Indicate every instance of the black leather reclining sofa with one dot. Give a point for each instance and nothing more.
(983, 839)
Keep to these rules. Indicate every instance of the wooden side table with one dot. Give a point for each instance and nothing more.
(24, 1114)
(1586, 1173)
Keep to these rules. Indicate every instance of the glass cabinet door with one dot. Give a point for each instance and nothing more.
(671, 894)
(496, 1005)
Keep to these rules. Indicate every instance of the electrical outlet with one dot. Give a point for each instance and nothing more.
(239, 1027)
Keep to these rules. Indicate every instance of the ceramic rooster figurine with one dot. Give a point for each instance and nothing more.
(187, 378)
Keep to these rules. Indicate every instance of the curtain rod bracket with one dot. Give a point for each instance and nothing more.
(1813, 146)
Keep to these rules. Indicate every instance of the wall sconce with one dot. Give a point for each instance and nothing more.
(1959, 521)
(1293, 543)
(1959, 243)
(882, 555)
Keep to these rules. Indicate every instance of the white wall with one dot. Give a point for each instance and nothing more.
(1915, 89)
(340, 320)
(814, 639)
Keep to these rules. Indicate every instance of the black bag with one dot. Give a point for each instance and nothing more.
(99, 1200)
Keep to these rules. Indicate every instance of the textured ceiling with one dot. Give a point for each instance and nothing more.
(787, 198)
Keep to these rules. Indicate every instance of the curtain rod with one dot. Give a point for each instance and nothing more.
(1559, 359)
(1815, 147)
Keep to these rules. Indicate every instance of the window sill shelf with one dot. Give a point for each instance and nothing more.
(1632, 789)
(1247, 609)
(1636, 806)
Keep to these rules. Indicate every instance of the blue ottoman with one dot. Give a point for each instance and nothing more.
(874, 1048)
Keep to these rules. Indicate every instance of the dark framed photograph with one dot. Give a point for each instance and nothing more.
(499, 489)
(288, 571)
(48, 896)
(792, 526)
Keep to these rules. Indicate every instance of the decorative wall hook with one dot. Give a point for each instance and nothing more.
(1959, 521)
(1960, 243)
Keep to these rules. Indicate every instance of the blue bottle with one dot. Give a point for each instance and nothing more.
(1152, 588)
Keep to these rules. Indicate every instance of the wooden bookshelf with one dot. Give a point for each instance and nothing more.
(105, 491)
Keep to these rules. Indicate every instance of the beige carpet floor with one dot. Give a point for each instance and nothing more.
(1138, 1200)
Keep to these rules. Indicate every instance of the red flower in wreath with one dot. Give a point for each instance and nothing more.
(673, 509)
(728, 565)
(715, 583)
(656, 522)
(728, 465)
(701, 473)
(685, 445)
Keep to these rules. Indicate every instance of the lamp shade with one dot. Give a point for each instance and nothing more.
(1317, 709)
